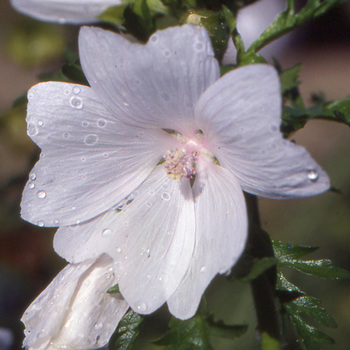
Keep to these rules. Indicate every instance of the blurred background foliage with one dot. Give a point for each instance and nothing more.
(29, 48)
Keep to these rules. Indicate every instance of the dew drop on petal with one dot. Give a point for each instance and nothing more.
(40, 223)
(198, 46)
(32, 176)
(141, 307)
(84, 124)
(40, 123)
(149, 204)
(101, 123)
(312, 175)
(203, 269)
(66, 135)
(76, 90)
(31, 186)
(154, 38)
(66, 92)
(41, 194)
(118, 250)
(30, 96)
(90, 139)
(76, 102)
(32, 130)
(99, 325)
(165, 196)
(106, 232)
(83, 159)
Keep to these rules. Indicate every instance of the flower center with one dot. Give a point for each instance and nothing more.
(180, 163)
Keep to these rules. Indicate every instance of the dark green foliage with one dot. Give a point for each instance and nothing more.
(127, 331)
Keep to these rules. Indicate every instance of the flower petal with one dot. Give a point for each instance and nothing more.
(159, 90)
(147, 239)
(75, 311)
(241, 115)
(89, 162)
(64, 11)
(221, 232)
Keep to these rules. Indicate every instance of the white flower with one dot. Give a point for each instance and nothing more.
(75, 311)
(148, 164)
(64, 11)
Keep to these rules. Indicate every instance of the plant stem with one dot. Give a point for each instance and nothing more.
(263, 287)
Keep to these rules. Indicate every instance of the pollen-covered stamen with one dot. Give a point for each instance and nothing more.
(180, 163)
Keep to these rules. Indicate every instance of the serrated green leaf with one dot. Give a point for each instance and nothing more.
(323, 268)
(258, 267)
(287, 251)
(289, 78)
(219, 329)
(308, 336)
(311, 306)
(188, 334)
(127, 331)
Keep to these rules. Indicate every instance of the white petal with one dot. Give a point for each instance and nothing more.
(151, 240)
(241, 114)
(221, 232)
(75, 311)
(157, 84)
(64, 11)
(89, 161)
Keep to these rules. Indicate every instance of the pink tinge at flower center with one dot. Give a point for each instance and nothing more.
(181, 162)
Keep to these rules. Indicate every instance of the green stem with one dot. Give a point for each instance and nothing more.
(263, 287)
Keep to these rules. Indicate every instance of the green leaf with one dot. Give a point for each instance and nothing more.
(287, 251)
(258, 267)
(127, 331)
(269, 343)
(113, 15)
(188, 334)
(289, 79)
(219, 329)
(323, 268)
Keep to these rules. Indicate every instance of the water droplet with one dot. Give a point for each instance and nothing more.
(66, 135)
(32, 130)
(73, 208)
(76, 90)
(154, 38)
(84, 124)
(101, 123)
(106, 232)
(203, 269)
(198, 46)
(31, 186)
(90, 139)
(126, 104)
(40, 223)
(41, 194)
(76, 102)
(66, 92)
(165, 196)
(56, 221)
(118, 250)
(141, 307)
(83, 159)
(167, 53)
(32, 176)
(149, 204)
(99, 325)
(77, 222)
(30, 96)
(40, 123)
(312, 175)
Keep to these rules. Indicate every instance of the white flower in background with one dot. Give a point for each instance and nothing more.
(64, 11)
(148, 164)
(75, 311)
